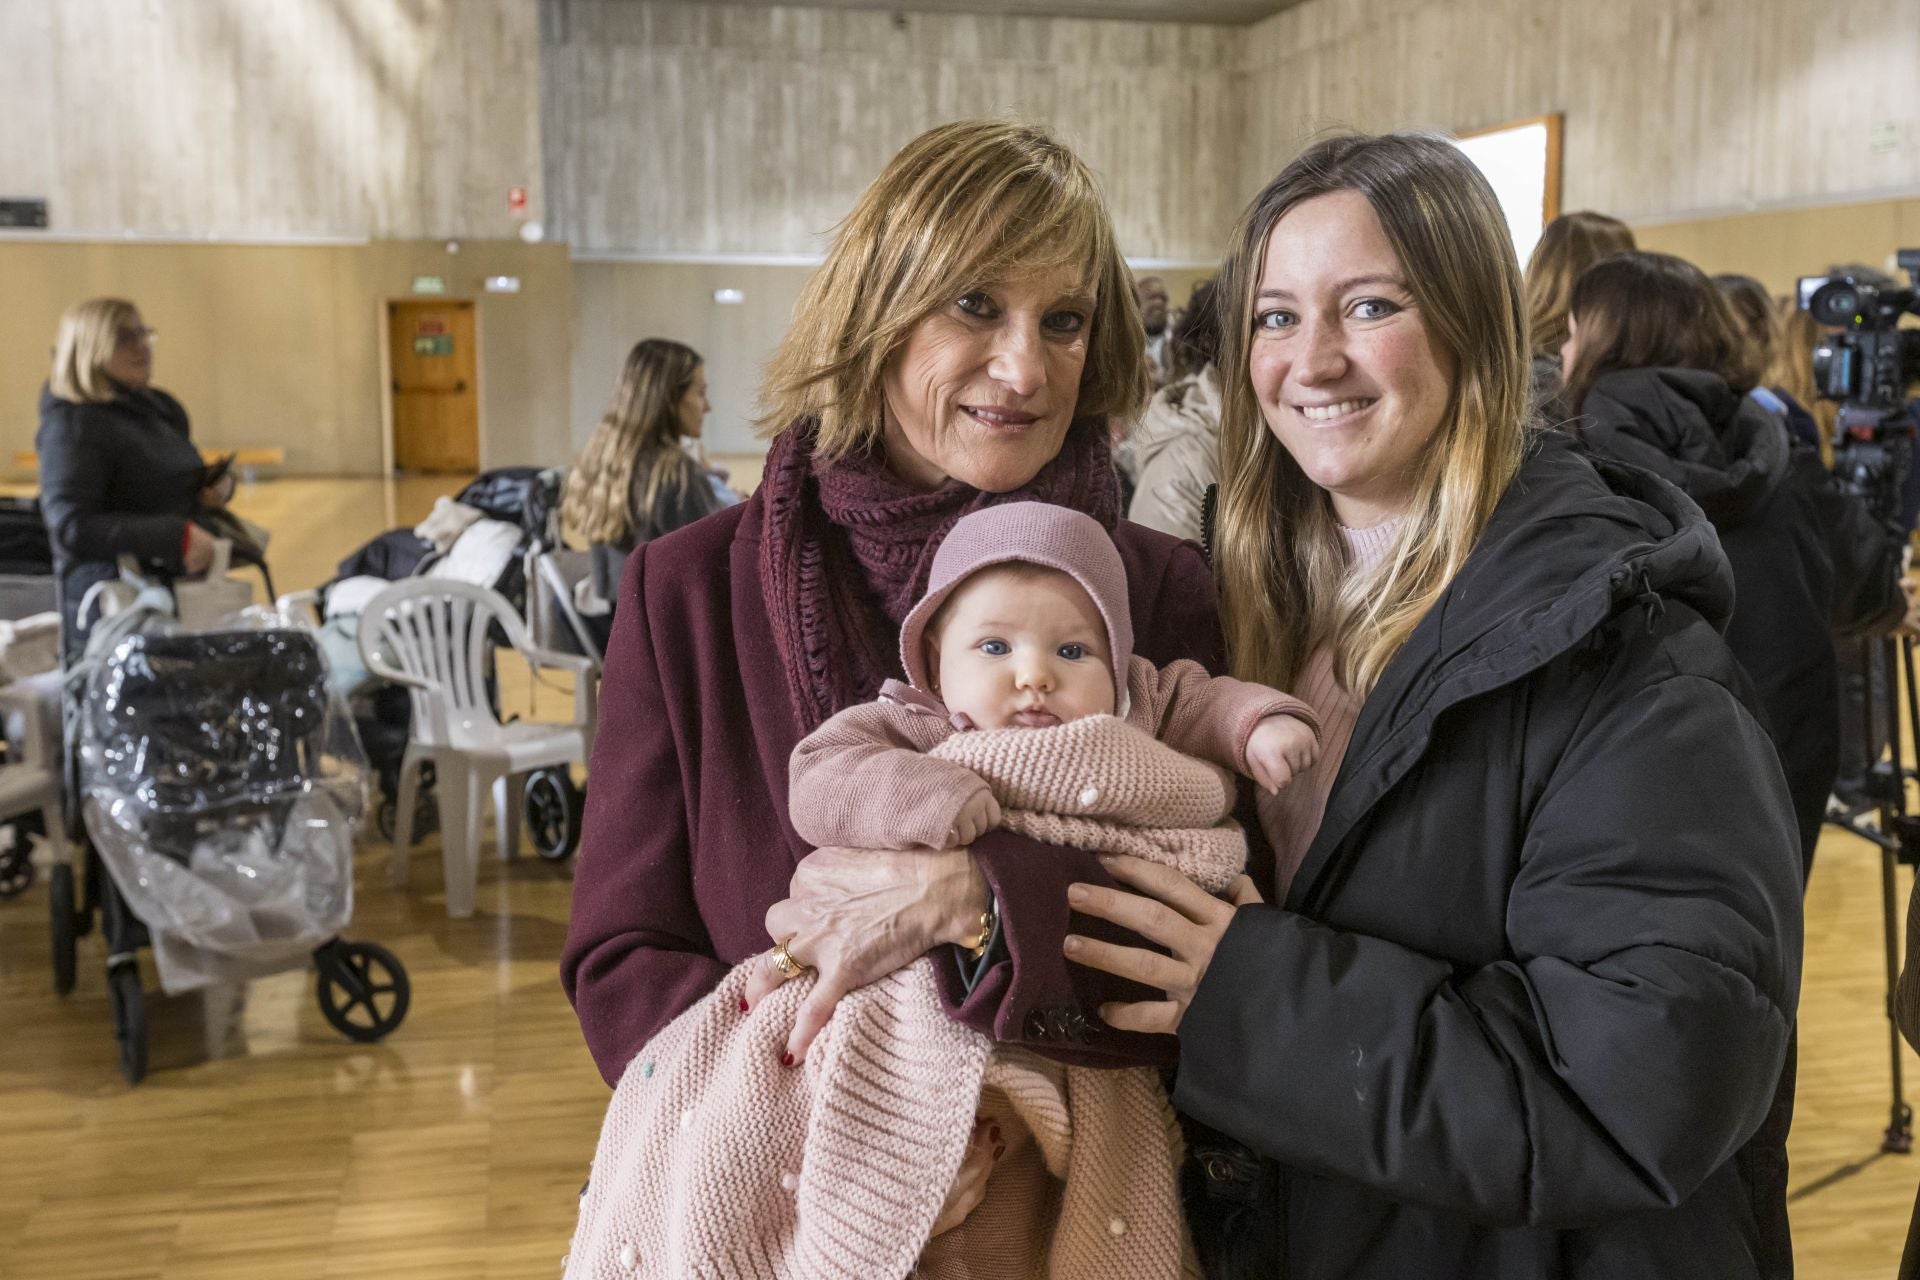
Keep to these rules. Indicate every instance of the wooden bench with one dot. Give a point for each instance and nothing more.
(247, 461)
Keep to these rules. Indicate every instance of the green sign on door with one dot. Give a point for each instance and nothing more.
(439, 344)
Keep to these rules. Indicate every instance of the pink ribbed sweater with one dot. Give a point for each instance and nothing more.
(715, 1161)
(1292, 818)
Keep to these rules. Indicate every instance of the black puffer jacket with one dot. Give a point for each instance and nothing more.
(1808, 558)
(1529, 992)
(120, 478)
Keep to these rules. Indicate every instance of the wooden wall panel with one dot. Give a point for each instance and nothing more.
(279, 345)
(713, 129)
(616, 304)
(1778, 246)
(1674, 108)
(297, 118)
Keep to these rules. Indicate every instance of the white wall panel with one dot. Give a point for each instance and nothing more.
(236, 119)
(1674, 108)
(691, 128)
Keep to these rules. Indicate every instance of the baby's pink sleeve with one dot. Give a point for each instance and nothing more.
(1204, 715)
(863, 780)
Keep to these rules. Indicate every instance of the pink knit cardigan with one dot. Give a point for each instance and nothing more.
(715, 1161)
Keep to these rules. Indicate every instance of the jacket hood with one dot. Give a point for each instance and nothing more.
(1574, 540)
(1687, 426)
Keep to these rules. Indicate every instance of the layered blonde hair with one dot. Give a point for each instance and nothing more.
(964, 205)
(641, 427)
(1567, 246)
(1285, 580)
(89, 331)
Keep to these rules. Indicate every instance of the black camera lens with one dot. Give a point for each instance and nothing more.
(1836, 303)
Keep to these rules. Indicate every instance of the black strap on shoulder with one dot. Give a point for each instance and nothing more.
(1209, 509)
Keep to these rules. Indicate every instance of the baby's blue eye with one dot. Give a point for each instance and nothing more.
(995, 648)
(1073, 652)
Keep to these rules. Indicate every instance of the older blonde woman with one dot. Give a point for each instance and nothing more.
(1528, 981)
(966, 341)
(118, 471)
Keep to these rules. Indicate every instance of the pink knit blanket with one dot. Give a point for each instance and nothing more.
(716, 1161)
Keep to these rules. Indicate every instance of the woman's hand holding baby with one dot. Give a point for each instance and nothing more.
(857, 915)
(979, 815)
(1168, 910)
(1281, 748)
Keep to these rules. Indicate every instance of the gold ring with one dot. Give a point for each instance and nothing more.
(783, 960)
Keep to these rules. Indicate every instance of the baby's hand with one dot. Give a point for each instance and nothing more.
(977, 816)
(1281, 749)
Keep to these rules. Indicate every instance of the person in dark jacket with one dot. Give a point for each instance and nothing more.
(1660, 370)
(1659, 376)
(1525, 984)
(118, 471)
(634, 481)
(967, 339)
(1756, 313)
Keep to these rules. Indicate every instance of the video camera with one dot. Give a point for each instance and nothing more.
(1868, 367)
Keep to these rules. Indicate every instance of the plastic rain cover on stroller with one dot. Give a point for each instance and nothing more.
(222, 786)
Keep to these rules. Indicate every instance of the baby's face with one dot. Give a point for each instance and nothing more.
(1021, 647)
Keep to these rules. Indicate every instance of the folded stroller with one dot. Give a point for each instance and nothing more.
(221, 786)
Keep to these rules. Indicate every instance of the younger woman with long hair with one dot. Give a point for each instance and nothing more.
(634, 481)
(1567, 246)
(1524, 986)
(1755, 314)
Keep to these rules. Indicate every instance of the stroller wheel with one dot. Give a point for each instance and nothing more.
(16, 865)
(60, 896)
(385, 817)
(362, 989)
(129, 1019)
(553, 809)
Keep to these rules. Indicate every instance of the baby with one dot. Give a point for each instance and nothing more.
(1025, 625)
(905, 1142)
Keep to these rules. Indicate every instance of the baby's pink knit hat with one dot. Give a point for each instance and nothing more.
(1026, 533)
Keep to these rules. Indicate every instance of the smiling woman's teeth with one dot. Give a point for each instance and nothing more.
(1327, 412)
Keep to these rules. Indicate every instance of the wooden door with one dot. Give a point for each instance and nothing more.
(436, 404)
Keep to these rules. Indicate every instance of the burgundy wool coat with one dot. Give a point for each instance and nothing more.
(687, 840)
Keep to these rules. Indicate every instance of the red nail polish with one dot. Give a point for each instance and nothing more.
(999, 1152)
(993, 1131)
(786, 1059)
(743, 1004)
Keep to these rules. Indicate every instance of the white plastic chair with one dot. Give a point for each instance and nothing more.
(431, 635)
(32, 782)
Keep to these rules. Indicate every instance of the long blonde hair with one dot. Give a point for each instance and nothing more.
(89, 331)
(966, 204)
(642, 423)
(1283, 568)
(1568, 245)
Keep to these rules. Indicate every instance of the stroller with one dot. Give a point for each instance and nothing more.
(220, 785)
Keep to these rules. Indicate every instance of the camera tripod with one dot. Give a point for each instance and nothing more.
(1895, 830)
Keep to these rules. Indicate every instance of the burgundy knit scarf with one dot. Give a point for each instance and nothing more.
(848, 549)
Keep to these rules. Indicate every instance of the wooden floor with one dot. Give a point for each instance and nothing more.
(264, 1146)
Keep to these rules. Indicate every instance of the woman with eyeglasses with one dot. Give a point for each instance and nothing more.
(119, 474)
